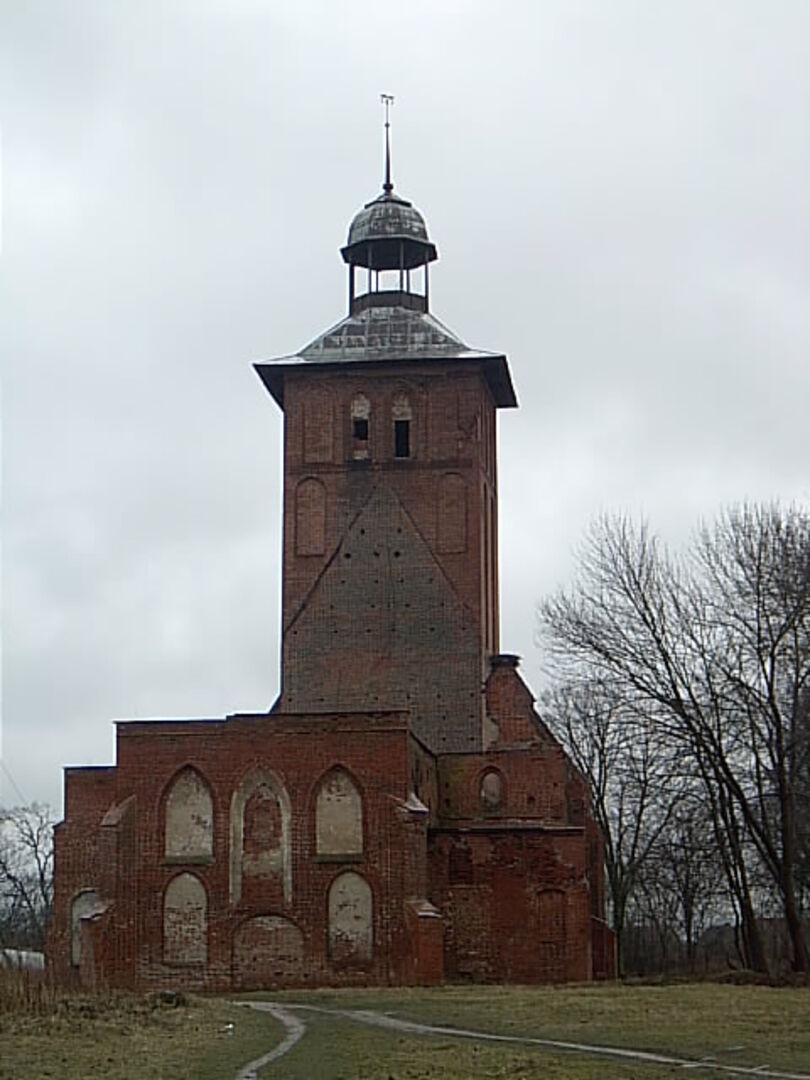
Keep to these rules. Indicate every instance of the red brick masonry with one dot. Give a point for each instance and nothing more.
(481, 866)
(401, 815)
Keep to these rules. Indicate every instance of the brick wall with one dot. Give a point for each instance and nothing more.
(123, 831)
(390, 565)
(515, 902)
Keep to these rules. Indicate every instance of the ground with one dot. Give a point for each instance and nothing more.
(741, 1026)
(129, 1037)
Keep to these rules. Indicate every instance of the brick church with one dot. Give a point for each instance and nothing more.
(401, 815)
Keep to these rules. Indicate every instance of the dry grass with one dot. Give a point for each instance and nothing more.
(739, 1025)
(47, 1032)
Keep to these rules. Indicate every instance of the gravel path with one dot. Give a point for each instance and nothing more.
(296, 1028)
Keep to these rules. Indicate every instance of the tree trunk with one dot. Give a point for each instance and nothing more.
(795, 928)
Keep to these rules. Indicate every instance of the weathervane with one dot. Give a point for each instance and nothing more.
(388, 101)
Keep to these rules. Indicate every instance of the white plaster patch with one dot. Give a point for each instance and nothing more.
(189, 818)
(351, 934)
(185, 921)
(339, 816)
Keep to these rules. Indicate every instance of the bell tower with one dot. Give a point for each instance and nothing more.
(390, 583)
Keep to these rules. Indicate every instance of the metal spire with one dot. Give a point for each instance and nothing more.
(388, 101)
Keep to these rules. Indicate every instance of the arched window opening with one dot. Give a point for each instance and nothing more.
(402, 416)
(361, 426)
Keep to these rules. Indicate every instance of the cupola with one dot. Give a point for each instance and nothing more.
(388, 239)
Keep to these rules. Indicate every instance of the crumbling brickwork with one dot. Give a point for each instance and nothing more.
(401, 815)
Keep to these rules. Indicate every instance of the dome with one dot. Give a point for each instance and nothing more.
(388, 233)
(385, 217)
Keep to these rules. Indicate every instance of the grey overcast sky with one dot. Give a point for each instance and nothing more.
(619, 194)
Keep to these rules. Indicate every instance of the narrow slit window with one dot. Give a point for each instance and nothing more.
(360, 429)
(402, 438)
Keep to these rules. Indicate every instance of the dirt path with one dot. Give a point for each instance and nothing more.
(296, 1028)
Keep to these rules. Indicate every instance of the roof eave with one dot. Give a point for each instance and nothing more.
(495, 369)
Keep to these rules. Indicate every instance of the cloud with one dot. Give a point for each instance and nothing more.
(618, 195)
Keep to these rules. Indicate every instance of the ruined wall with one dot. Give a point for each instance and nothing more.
(515, 903)
(254, 851)
(88, 794)
(515, 863)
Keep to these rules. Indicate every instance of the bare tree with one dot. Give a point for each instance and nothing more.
(717, 648)
(631, 774)
(683, 881)
(26, 875)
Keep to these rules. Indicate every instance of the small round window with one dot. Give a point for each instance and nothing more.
(491, 790)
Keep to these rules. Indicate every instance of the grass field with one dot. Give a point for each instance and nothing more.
(118, 1038)
(129, 1037)
(747, 1026)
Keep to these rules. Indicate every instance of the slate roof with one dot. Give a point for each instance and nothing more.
(381, 335)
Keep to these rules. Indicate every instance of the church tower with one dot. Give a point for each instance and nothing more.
(402, 814)
(390, 552)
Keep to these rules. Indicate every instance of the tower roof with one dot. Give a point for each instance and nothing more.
(381, 335)
(388, 325)
(378, 230)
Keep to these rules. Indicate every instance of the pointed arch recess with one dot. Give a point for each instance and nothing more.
(338, 815)
(260, 835)
(189, 818)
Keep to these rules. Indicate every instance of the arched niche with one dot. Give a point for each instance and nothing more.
(351, 919)
(338, 816)
(267, 950)
(310, 517)
(260, 833)
(83, 905)
(452, 514)
(491, 791)
(318, 433)
(189, 819)
(185, 921)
